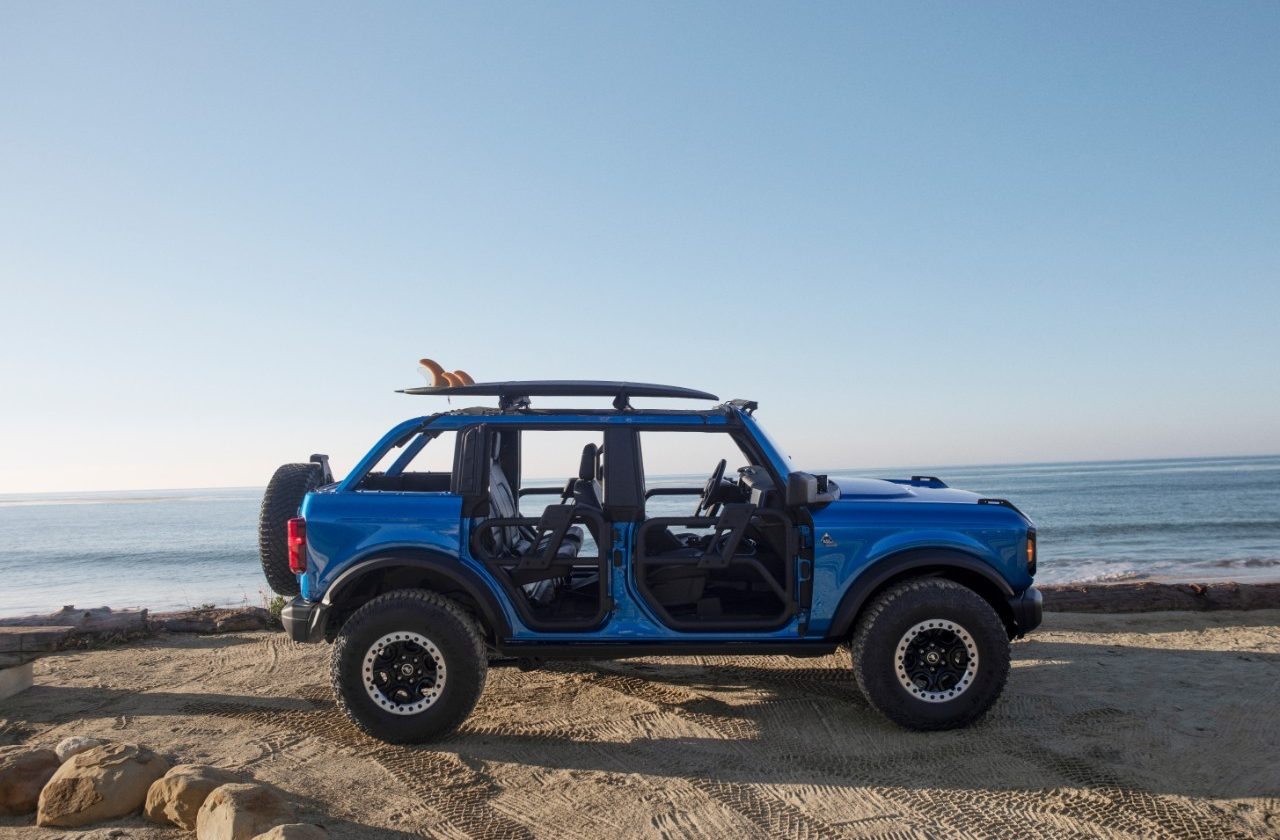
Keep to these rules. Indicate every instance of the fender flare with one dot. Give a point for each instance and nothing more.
(925, 559)
(434, 562)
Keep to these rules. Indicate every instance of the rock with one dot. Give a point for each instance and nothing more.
(176, 798)
(294, 831)
(23, 772)
(241, 812)
(75, 745)
(16, 673)
(101, 783)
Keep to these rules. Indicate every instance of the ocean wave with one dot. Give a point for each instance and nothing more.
(1243, 563)
(122, 500)
(1125, 576)
(1237, 528)
(183, 560)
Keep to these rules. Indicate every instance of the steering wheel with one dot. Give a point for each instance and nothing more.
(709, 489)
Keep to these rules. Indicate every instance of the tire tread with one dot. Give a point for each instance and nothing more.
(424, 601)
(935, 590)
(285, 491)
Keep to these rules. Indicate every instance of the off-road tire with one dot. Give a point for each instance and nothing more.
(453, 633)
(887, 620)
(280, 502)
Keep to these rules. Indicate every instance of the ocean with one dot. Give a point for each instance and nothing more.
(1200, 519)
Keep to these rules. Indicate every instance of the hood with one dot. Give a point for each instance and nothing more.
(880, 490)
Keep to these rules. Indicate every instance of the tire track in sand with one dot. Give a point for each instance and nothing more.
(460, 794)
(751, 784)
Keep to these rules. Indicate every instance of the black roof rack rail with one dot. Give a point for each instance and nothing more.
(516, 394)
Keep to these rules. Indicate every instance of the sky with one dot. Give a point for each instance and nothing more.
(917, 234)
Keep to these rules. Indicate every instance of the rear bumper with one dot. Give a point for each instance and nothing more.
(1028, 610)
(303, 620)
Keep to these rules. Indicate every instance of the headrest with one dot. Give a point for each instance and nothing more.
(497, 447)
(587, 466)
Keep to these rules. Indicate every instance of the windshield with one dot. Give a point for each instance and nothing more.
(776, 453)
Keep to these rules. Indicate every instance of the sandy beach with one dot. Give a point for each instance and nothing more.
(1152, 725)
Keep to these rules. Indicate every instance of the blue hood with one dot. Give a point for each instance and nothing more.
(879, 490)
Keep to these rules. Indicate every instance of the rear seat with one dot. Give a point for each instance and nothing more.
(520, 540)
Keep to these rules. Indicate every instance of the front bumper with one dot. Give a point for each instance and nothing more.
(1028, 610)
(304, 621)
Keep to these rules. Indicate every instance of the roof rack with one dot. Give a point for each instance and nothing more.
(512, 395)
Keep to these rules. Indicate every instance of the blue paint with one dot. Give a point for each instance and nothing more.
(872, 521)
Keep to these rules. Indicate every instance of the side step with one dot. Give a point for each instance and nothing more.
(596, 650)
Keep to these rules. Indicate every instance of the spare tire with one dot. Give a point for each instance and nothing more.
(280, 503)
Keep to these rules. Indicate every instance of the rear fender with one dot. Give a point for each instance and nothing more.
(416, 569)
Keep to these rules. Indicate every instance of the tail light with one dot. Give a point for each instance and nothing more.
(297, 541)
(1031, 553)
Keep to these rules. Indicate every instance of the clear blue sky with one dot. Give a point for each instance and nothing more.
(918, 234)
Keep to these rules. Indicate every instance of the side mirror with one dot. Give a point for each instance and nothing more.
(802, 489)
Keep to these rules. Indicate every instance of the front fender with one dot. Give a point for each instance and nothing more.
(941, 539)
(923, 560)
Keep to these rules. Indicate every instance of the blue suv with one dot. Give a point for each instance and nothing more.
(419, 577)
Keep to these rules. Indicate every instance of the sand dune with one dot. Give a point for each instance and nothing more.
(1154, 725)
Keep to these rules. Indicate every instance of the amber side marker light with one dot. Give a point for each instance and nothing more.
(1031, 552)
(297, 541)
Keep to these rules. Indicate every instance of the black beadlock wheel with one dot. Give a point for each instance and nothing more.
(280, 502)
(408, 666)
(930, 654)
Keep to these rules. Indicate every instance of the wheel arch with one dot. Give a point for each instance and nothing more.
(410, 568)
(952, 564)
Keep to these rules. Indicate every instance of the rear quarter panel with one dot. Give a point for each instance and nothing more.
(346, 527)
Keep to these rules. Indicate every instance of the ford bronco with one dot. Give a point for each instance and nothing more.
(420, 576)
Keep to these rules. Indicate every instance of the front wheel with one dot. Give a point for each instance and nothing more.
(408, 666)
(930, 654)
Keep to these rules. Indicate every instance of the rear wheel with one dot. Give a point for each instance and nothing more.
(408, 666)
(931, 654)
(284, 494)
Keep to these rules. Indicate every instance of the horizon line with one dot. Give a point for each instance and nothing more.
(908, 467)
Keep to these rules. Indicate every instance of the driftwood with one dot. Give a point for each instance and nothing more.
(1149, 596)
(215, 620)
(20, 645)
(58, 630)
(98, 620)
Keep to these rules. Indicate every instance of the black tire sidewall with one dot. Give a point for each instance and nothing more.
(447, 628)
(900, 609)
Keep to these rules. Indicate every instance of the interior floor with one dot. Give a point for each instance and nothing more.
(574, 597)
(738, 591)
